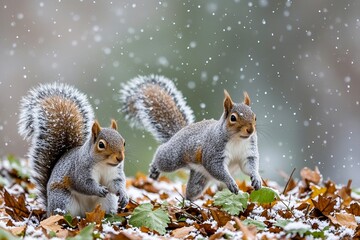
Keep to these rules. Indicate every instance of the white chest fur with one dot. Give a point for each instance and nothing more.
(104, 173)
(237, 150)
(80, 203)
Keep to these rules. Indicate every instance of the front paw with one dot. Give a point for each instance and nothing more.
(233, 187)
(103, 191)
(123, 199)
(256, 181)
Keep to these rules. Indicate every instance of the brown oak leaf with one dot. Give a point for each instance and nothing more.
(324, 205)
(16, 207)
(95, 216)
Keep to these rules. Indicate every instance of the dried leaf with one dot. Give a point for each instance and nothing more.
(324, 205)
(16, 207)
(182, 232)
(354, 209)
(95, 216)
(50, 224)
(345, 194)
(18, 231)
(220, 217)
(309, 175)
(345, 220)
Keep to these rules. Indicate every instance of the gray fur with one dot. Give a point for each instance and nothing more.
(208, 148)
(62, 167)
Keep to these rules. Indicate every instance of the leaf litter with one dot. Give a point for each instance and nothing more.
(307, 208)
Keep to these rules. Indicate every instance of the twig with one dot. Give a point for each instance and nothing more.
(289, 180)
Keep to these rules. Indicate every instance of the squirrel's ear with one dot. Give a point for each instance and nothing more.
(113, 124)
(247, 99)
(228, 103)
(95, 130)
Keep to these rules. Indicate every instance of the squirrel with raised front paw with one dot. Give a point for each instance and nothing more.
(211, 149)
(76, 163)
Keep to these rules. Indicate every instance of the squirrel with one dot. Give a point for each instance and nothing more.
(211, 149)
(76, 164)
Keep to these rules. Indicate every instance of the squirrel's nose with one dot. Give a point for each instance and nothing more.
(250, 130)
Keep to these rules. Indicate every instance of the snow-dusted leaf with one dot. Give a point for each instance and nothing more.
(258, 224)
(282, 223)
(144, 215)
(264, 195)
(297, 228)
(113, 218)
(230, 202)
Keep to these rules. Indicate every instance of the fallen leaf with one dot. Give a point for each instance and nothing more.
(324, 205)
(16, 207)
(248, 231)
(125, 236)
(182, 232)
(309, 175)
(345, 220)
(345, 194)
(95, 216)
(18, 231)
(354, 209)
(50, 224)
(220, 217)
(229, 226)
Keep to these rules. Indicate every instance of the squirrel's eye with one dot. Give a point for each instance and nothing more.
(233, 118)
(255, 118)
(101, 144)
(124, 144)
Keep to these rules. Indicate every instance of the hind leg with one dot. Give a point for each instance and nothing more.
(165, 160)
(196, 185)
(58, 201)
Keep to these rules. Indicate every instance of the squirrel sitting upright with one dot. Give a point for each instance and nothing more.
(76, 164)
(210, 148)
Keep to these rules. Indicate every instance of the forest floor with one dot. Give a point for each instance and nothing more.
(307, 208)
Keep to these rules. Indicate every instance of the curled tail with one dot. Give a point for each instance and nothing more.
(54, 118)
(153, 103)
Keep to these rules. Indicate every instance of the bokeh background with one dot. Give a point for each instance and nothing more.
(299, 61)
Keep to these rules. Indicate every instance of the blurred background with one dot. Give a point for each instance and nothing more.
(298, 60)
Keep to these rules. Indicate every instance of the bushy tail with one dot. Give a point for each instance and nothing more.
(54, 118)
(153, 103)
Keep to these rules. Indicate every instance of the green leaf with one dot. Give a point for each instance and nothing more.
(113, 218)
(85, 233)
(264, 195)
(258, 224)
(282, 223)
(68, 219)
(143, 215)
(230, 202)
(6, 235)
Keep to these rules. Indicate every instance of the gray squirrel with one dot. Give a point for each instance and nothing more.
(76, 164)
(211, 149)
